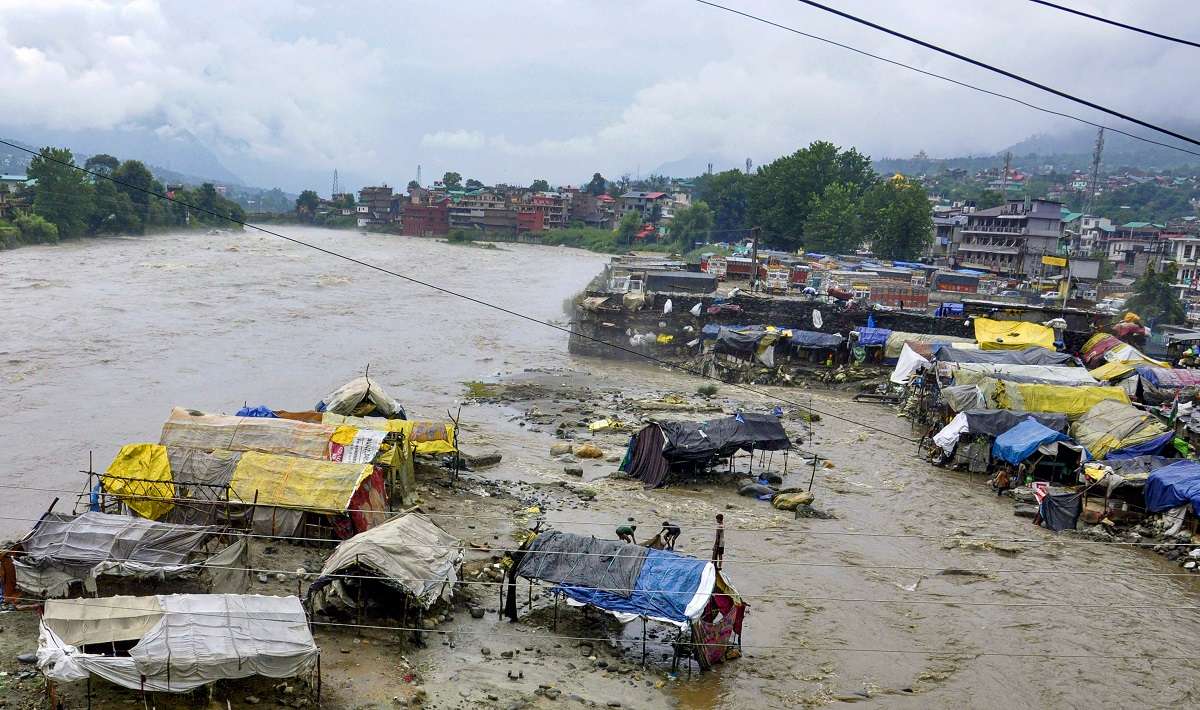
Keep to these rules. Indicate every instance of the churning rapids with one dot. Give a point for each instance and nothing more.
(914, 595)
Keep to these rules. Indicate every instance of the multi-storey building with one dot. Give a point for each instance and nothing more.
(1011, 239)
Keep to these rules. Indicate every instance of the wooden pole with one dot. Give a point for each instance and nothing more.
(643, 642)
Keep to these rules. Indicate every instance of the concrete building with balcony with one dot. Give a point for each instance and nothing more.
(592, 210)
(551, 205)
(1134, 247)
(1009, 240)
(645, 203)
(375, 206)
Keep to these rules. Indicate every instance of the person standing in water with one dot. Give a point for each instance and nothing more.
(718, 555)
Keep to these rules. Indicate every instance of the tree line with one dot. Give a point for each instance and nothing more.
(65, 202)
(820, 199)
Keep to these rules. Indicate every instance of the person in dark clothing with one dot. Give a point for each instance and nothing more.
(718, 553)
(670, 533)
(625, 534)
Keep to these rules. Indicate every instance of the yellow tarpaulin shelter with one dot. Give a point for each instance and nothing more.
(1071, 401)
(293, 482)
(140, 476)
(1109, 426)
(1110, 371)
(425, 438)
(1012, 335)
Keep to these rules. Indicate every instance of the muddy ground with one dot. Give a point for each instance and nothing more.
(920, 589)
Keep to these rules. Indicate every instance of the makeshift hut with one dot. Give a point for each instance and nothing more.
(1033, 355)
(814, 346)
(175, 643)
(407, 563)
(896, 339)
(1157, 385)
(1122, 483)
(1102, 347)
(1111, 429)
(969, 373)
(1173, 486)
(277, 494)
(1051, 454)
(1012, 335)
(969, 436)
(96, 553)
(751, 342)
(632, 582)
(662, 447)
(873, 341)
(1071, 401)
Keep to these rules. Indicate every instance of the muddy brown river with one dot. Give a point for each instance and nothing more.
(923, 591)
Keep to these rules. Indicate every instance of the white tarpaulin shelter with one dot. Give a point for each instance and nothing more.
(183, 641)
(350, 398)
(62, 550)
(410, 553)
(908, 364)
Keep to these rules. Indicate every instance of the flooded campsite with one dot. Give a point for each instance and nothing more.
(244, 473)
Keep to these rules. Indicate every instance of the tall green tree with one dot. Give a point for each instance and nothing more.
(306, 205)
(596, 185)
(63, 195)
(135, 179)
(113, 212)
(833, 221)
(452, 181)
(728, 195)
(691, 224)
(896, 219)
(413, 185)
(782, 191)
(1154, 299)
(630, 224)
(473, 184)
(102, 163)
(540, 186)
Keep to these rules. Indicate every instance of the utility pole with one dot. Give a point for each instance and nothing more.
(1095, 177)
(748, 164)
(333, 192)
(753, 257)
(418, 174)
(1004, 179)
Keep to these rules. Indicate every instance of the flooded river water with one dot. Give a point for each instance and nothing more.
(914, 595)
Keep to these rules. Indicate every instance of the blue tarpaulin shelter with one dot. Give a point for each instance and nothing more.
(813, 339)
(259, 411)
(1019, 443)
(1152, 446)
(666, 585)
(873, 337)
(1174, 485)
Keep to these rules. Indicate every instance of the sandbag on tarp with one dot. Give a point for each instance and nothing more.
(1159, 384)
(1071, 401)
(872, 337)
(1174, 485)
(361, 397)
(1110, 425)
(897, 338)
(1012, 335)
(810, 339)
(970, 373)
(1019, 443)
(62, 550)
(184, 641)
(1024, 356)
(582, 561)
(140, 476)
(193, 429)
(409, 552)
(698, 441)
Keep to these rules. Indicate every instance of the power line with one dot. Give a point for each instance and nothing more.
(942, 77)
(776, 647)
(451, 292)
(1002, 72)
(1115, 23)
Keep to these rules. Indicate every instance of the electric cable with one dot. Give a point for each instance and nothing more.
(942, 77)
(1002, 72)
(1115, 23)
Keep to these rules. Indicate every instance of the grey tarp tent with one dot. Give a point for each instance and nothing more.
(1033, 355)
(409, 553)
(656, 447)
(63, 550)
(182, 641)
(362, 397)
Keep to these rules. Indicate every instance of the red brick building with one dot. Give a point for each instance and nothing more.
(426, 220)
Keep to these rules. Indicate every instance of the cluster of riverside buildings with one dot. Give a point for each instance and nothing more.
(505, 210)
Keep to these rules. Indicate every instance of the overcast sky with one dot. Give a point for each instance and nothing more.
(285, 90)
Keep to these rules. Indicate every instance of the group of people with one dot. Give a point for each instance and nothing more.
(669, 535)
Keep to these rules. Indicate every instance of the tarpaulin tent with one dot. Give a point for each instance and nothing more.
(1111, 425)
(651, 453)
(181, 641)
(1174, 485)
(141, 475)
(408, 553)
(812, 340)
(969, 373)
(872, 337)
(63, 550)
(896, 340)
(361, 397)
(1130, 472)
(1159, 384)
(1025, 356)
(991, 422)
(1012, 335)
(963, 397)
(1071, 401)
(908, 364)
(1103, 347)
(1113, 371)
(1019, 443)
(283, 487)
(193, 429)
(626, 580)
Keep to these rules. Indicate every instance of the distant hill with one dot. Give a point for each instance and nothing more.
(694, 165)
(176, 156)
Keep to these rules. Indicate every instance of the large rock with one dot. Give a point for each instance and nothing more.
(560, 448)
(755, 490)
(588, 451)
